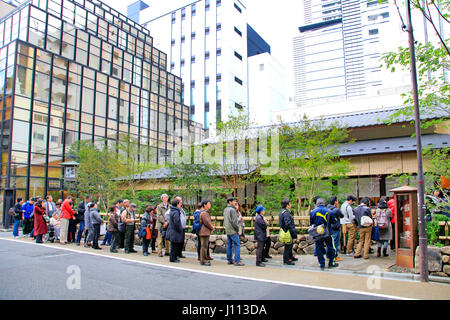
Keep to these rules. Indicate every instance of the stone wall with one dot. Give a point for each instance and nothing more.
(218, 244)
(438, 261)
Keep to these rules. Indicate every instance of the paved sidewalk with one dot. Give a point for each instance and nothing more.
(299, 275)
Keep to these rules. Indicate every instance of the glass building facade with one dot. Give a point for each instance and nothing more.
(79, 70)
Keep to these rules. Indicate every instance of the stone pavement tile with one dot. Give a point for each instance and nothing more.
(286, 274)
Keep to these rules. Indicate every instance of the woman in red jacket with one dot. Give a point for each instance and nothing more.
(40, 225)
(66, 215)
(391, 205)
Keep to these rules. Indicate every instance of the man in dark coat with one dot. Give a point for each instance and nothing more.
(82, 210)
(335, 224)
(260, 234)
(175, 230)
(287, 223)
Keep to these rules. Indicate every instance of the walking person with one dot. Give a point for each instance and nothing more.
(18, 216)
(260, 235)
(383, 217)
(28, 221)
(175, 230)
(231, 225)
(335, 225)
(321, 216)
(40, 224)
(66, 216)
(129, 218)
(161, 210)
(348, 225)
(364, 222)
(49, 206)
(81, 211)
(113, 228)
(147, 222)
(205, 232)
(96, 221)
(287, 223)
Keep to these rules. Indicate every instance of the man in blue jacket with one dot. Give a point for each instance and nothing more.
(335, 224)
(28, 224)
(287, 223)
(321, 216)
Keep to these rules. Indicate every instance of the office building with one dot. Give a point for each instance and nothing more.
(209, 44)
(79, 70)
(337, 56)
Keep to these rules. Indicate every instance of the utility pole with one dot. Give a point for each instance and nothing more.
(420, 176)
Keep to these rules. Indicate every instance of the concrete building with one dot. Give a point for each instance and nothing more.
(209, 45)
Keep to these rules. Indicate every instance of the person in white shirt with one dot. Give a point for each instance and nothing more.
(348, 226)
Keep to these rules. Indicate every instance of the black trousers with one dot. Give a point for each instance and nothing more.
(287, 255)
(114, 240)
(121, 239)
(259, 251)
(96, 230)
(393, 237)
(145, 245)
(175, 250)
(266, 250)
(129, 237)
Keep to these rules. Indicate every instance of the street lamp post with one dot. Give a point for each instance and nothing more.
(420, 176)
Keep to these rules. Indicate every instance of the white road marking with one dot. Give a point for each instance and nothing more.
(217, 274)
(57, 255)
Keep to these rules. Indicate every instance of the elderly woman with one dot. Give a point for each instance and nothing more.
(40, 224)
(54, 222)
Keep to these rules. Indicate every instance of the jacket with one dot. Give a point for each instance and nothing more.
(40, 226)
(205, 221)
(127, 216)
(66, 210)
(160, 212)
(391, 204)
(287, 222)
(175, 232)
(113, 225)
(335, 218)
(260, 228)
(87, 220)
(18, 210)
(50, 207)
(95, 216)
(320, 215)
(385, 234)
(81, 210)
(29, 208)
(146, 220)
(360, 211)
(230, 220)
(347, 211)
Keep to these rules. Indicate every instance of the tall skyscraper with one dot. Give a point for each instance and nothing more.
(337, 55)
(208, 43)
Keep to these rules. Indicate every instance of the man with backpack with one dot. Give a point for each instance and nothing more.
(320, 231)
(364, 222)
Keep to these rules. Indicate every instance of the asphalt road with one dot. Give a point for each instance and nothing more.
(29, 271)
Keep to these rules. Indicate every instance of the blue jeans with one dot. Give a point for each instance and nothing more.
(335, 237)
(16, 228)
(107, 239)
(80, 231)
(234, 241)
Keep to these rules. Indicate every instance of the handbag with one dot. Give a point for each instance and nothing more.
(285, 237)
(375, 234)
(142, 233)
(366, 221)
(318, 233)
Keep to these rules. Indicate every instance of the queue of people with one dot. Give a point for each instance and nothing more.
(163, 226)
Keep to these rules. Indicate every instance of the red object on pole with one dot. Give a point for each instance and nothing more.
(420, 177)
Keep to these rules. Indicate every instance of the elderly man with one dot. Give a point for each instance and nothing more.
(161, 224)
(231, 224)
(129, 218)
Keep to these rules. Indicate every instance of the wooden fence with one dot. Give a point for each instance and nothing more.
(444, 233)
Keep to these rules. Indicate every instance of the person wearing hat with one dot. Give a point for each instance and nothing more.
(260, 234)
(231, 225)
(129, 218)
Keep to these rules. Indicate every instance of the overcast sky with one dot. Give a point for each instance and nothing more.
(276, 21)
